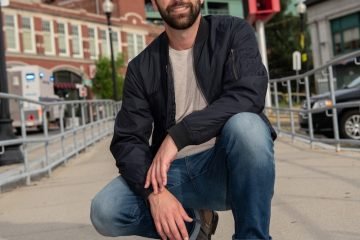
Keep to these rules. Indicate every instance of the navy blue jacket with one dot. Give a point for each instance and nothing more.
(230, 74)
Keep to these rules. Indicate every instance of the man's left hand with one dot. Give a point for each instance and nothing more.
(157, 173)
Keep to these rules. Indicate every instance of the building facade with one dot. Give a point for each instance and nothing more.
(213, 7)
(68, 40)
(335, 30)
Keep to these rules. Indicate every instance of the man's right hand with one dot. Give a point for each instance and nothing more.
(169, 216)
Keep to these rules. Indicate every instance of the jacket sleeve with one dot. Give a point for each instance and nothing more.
(132, 130)
(244, 85)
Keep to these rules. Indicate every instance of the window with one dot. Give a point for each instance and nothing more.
(93, 46)
(104, 43)
(76, 41)
(62, 39)
(218, 8)
(346, 33)
(135, 44)
(27, 34)
(48, 41)
(115, 40)
(11, 33)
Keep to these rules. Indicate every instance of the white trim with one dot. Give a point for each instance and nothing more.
(134, 30)
(119, 45)
(52, 36)
(107, 54)
(32, 34)
(67, 45)
(81, 52)
(95, 28)
(134, 14)
(16, 32)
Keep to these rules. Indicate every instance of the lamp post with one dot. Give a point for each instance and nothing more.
(301, 9)
(108, 7)
(9, 154)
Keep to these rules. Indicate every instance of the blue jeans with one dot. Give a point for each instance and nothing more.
(238, 173)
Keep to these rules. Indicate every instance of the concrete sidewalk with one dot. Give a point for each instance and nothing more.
(317, 197)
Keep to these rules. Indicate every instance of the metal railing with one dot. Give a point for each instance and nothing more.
(286, 116)
(88, 121)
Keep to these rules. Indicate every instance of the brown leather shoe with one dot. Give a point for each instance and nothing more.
(209, 220)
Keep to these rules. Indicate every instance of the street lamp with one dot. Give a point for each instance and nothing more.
(301, 9)
(9, 154)
(108, 7)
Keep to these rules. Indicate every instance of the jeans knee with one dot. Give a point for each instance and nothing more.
(111, 219)
(246, 134)
(101, 217)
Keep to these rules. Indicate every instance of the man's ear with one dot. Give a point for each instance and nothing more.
(154, 5)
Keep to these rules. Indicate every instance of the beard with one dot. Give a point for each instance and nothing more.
(180, 21)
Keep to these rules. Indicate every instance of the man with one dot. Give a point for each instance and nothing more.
(199, 90)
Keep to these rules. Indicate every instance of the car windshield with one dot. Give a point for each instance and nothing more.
(354, 83)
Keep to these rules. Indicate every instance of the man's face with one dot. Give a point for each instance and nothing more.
(179, 14)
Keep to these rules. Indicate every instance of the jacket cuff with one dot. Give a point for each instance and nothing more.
(178, 133)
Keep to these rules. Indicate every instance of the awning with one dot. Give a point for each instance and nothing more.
(63, 85)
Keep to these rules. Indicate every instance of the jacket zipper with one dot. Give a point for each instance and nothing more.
(197, 81)
(233, 64)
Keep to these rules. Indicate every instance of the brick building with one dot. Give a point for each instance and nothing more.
(67, 37)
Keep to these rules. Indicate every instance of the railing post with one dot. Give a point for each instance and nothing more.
(62, 131)
(334, 109)
(309, 113)
(46, 135)
(91, 121)
(73, 128)
(98, 120)
(291, 110)
(23, 147)
(278, 123)
(83, 123)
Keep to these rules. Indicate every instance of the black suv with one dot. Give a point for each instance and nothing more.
(348, 118)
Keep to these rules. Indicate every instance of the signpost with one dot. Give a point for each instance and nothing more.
(297, 67)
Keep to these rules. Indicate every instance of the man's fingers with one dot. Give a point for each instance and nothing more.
(182, 228)
(184, 215)
(164, 169)
(174, 229)
(148, 177)
(160, 230)
(153, 179)
(167, 230)
(158, 175)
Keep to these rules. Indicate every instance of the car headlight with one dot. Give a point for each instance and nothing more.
(323, 104)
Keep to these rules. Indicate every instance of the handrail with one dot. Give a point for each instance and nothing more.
(325, 66)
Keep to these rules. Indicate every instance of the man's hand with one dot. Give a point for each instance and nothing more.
(157, 173)
(169, 216)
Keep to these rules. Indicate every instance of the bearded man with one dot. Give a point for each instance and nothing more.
(199, 91)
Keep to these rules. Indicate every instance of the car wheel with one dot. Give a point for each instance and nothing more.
(350, 125)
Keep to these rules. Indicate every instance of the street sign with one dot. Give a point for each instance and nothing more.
(4, 3)
(296, 61)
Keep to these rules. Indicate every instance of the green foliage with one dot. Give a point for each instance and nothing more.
(282, 39)
(103, 84)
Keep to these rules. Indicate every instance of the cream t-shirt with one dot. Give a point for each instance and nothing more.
(188, 96)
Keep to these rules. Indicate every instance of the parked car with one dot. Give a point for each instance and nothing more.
(348, 117)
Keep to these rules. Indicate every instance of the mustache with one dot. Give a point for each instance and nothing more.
(178, 4)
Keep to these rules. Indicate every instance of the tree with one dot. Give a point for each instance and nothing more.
(103, 84)
(282, 36)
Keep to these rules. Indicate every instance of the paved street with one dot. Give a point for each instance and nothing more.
(317, 197)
